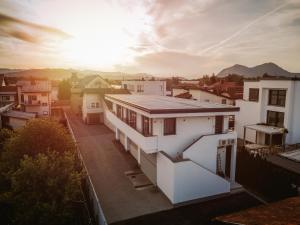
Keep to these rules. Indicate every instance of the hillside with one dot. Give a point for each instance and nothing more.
(256, 71)
(58, 74)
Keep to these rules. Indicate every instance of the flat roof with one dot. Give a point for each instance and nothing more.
(19, 114)
(266, 129)
(292, 155)
(155, 104)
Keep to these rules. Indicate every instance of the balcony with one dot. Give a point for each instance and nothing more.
(147, 143)
(32, 103)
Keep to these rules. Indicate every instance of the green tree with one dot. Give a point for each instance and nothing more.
(64, 90)
(40, 175)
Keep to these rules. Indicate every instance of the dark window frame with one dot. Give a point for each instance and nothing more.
(146, 126)
(253, 94)
(169, 129)
(132, 119)
(119, 111)
(277, 122)
(277, 98)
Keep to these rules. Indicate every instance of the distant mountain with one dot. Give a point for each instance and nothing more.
(257, 71)
(58, 74)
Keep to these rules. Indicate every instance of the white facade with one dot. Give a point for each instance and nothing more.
(143, 87)
(185, 163)
(92, 109)
(35, 96)
(205, 96)
(256, 111)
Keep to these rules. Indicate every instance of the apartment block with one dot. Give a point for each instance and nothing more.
(270, 111)
(145, 87)
(183, 146)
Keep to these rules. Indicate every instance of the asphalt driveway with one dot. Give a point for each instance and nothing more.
(106, 165)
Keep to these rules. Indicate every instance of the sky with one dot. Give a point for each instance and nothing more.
(162, 37)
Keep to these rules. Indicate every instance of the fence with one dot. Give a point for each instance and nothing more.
(89, 187)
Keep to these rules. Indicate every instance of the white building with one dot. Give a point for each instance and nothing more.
(203, 95)
(35, 96)
(145, 87)
(271, 102)
(92, 109)
(183, 146)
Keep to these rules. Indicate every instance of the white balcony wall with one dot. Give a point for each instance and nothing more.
(148, 144)
(204, 151)
(186, 180)
(188, 129)
(249, 114)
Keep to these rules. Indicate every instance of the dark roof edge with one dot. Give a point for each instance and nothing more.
(171, 111)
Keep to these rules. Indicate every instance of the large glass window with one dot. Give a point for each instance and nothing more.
(147, 126)
(277, 97)
(253, 94)
(275, 118)
(119, 111)
(169, 126)
(132, 119)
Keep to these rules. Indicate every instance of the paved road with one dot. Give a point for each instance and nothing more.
(106, 165)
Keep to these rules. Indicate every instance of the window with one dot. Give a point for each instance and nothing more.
(132, 119)
(97, 105)
(140, 88)
(32, 97)
(223, 101)
(5, 98)
(93, 105)
(119, 111)
(275, 118)
(253, 94)
(231, 123)
(169, 126)
(44, 94)
(277, 97)
(146, 126)
(44, 104)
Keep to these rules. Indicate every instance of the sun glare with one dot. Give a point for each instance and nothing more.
(98, 43)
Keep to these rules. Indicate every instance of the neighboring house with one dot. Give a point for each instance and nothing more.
(145, 87)
(15, 119)
(35, 95)
(8, 94)
(204, 95)
(232, 89)
(54, 90)
(270, 105)
(92, 109)
(183, 146)
(77, 86)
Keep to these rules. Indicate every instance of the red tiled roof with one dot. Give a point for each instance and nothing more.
(8, 89)
(185, 95)
(282, 212)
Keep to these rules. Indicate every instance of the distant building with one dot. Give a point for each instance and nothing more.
(92, 109)
(54, 90)
(183, 146)
(35, 96)
(270, 111)
(15, 119)
(204, 95)
(8, 94)
(145, 87)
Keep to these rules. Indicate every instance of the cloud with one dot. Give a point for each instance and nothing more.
(168, 63)
(14, 27)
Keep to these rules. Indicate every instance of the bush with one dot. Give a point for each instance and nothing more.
(40, 174)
